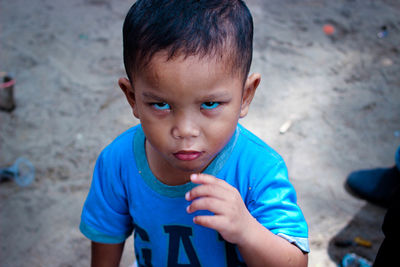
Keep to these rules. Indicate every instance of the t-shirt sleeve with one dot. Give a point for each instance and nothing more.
(105, 216)
(272, 201)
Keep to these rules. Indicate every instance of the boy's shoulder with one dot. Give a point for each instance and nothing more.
(251, 146)
(122, 145)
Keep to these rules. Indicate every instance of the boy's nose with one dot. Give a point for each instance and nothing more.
(185, 127)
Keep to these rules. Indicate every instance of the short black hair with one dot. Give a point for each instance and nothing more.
(220, 28)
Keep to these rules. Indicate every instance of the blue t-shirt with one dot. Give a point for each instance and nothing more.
(126, 196)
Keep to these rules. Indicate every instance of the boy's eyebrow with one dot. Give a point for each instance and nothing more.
(213, 96)
(210, 97)
(152, 96)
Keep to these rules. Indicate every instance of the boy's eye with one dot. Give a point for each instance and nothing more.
(210, 105)
(161, 106)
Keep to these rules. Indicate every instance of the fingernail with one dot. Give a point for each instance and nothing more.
(193, 176)
(188, 209)
(187, 195)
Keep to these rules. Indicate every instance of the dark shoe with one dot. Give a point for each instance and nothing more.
(376, 185)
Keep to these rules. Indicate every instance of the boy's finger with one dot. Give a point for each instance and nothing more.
(205, 190)
(213, 205)
(215, 222)
(201, 178)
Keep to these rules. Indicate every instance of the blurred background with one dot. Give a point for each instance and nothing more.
(329, 103)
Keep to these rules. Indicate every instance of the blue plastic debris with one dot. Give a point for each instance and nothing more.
(22, 172)
(383, 33)
(353, 260)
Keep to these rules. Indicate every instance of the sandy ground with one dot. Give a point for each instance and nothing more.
(340, 92)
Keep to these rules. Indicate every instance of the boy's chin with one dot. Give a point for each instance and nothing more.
(190, 168)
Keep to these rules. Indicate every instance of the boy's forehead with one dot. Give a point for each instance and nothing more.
(187, 72)
(161, 64)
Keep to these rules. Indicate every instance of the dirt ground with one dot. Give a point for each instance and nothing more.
(341, 94)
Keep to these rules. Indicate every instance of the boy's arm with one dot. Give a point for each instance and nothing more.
(106, 255)
(257, 245)
(261, 247)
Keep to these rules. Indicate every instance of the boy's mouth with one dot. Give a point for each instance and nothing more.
(187, 155)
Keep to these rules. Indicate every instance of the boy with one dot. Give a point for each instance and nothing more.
(197, 188)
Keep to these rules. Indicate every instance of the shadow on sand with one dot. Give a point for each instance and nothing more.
(366, 224)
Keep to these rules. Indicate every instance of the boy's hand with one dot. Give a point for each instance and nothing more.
(231, 219)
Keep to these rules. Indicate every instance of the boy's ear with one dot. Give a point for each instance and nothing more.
(129, 92)
(249, 90)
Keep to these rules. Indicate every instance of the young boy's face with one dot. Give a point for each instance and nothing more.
(189, 109)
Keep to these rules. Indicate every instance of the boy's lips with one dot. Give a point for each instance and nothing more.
(187, 155)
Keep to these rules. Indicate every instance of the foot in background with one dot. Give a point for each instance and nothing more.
(376, 185)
